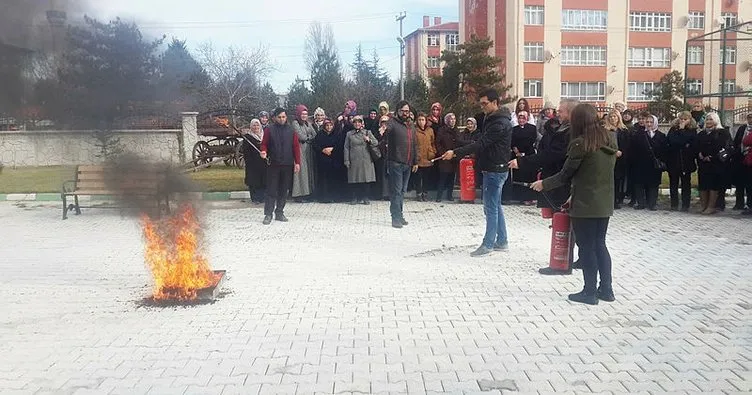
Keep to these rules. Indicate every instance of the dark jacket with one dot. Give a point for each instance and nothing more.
(493, 147)
(255, 167)
(446, 140)
(549, 160)
(281, 144)
(681, 153)
(401, 142)
(592, 179)
(740, 170)
(643, 149)
(335, 161)
(623, 138)
(710, 143)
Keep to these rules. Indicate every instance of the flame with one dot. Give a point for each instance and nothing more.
(174, 258)
(223, 122)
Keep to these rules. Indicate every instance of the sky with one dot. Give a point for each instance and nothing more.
(282, 26)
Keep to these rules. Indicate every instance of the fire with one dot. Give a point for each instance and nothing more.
(174, 257)
(223, 122)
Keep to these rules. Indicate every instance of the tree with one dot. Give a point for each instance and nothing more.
(371, 83)
(300, 94)
(326, 81)
(235, 75)
(465, 73)
(182, 79)
(268, 99)
(110, 70)
(416, 93)
(668, 96)
(320, 37)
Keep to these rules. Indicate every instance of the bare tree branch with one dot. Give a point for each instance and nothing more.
(319, 37)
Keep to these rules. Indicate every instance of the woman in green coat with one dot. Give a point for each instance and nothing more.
(590, 169)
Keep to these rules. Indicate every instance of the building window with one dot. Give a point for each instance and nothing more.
(640, 91)
(533, 52)
(583, 56)
(696, 20)
(649, 22)
(452, 41)
(694, 87)
(585, 91)
(433, 39)
(729, 86)
(433, 62)
(533, 88)
(695, 55)
(534, 15)
(584, 20)
(649, 57)
(729, 19)
(729, 55)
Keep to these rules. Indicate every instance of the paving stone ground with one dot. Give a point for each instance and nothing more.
(336, 301)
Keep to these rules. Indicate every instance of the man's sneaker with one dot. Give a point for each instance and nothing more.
(281, 218)
(606, 296)
(501, 246)
(482, 250)
(583, 297)
(396, 223)
(267, 220)
(404, 223)
(547, 271)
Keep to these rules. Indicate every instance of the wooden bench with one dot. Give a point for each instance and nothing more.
(125, 185)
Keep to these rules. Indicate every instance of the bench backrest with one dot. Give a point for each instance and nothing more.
(97, 178)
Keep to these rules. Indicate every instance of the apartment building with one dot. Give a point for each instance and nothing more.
(423, 47)
(606, 51)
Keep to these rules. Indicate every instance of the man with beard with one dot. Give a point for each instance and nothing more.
(550, 158)
(281, 146)
(492, 149)
(401, 157)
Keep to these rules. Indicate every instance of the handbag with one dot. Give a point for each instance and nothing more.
(373, 149)
(657, 163)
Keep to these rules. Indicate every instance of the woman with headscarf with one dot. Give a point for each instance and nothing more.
(524, 136)
(614, 125)
(372, 121)
(303, 181)
(329, 149)
(548, 112)
(384, 110)
(426, 152)
(712, 141)
(522, 105)
(359, 145)
(435, 120)
(627, 118)
(682, 148)
(255, 166)
(381, 189)
(648, 150)
(319, 115)
(447, 139)
(469, 136)
(344, 120)
(264, 119)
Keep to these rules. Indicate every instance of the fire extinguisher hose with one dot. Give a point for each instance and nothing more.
(527, 185)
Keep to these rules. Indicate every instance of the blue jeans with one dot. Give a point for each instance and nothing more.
(399, 176)
(496, 227)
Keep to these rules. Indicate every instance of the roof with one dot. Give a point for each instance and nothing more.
(444, 27)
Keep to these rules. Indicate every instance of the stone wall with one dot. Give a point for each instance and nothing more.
(65, 147)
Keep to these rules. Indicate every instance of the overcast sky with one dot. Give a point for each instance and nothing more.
(282, 25)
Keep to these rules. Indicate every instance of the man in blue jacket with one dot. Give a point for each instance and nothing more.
(492, 149)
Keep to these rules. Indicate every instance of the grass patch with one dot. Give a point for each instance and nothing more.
(45, 179)
(665, 181)
(220, 178)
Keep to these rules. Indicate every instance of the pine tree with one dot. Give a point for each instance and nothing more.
(300, 94)
(668, 97)
(326, 81)
(182, 79)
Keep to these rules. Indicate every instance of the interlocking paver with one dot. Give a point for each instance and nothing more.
(338, 301)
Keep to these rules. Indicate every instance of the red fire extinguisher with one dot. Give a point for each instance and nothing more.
(467, 180)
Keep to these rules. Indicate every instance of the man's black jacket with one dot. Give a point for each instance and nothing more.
(493, 147)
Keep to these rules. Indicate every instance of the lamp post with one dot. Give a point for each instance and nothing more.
(401, 40)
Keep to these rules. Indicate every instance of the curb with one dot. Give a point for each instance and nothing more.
(207, 196)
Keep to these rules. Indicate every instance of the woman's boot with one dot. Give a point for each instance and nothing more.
(712, 200)
(704, 200)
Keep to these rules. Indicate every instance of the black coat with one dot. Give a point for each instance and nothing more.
(494, 145)
(623, 140)
(739, 169)
(643, 149)
(682, 150)
(524, 138)
(713, 175)
(446, 140)
(549, 160)
(255, 167)
(334, 163)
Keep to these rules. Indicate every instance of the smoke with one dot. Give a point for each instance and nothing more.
(136, 182)
(24, 23)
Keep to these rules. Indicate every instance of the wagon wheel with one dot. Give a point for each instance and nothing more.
(233, 145)
(239, 158)
(201, 153)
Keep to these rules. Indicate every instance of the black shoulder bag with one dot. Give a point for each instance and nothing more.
(657, 163)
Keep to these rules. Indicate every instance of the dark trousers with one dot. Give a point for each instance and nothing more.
(675, 178)
(278, 184)
(647, 196)
(422, 180)
(326, 187)
(359, 191)
(446, 184)
(620, 190)
(399, 177)
(590, 236)
(744, 188)
(257, 194)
